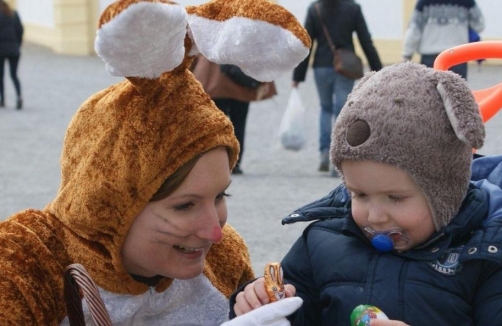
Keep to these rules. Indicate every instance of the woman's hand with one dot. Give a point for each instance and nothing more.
(255, 296)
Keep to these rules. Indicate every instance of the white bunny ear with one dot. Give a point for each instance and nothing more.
(463, 111)
(262, 38)
(262, 50)
(144, 40)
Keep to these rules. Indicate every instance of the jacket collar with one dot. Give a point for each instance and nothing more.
(336, 206)
(332, 206)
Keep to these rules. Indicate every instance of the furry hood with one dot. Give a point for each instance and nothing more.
(126, 140)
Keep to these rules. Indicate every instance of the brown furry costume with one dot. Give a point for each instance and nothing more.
(124, 142)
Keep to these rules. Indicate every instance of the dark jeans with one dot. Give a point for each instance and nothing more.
(428, 60)
(237, 111)
(13, 61)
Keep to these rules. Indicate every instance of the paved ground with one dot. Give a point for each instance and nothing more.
(276, 181)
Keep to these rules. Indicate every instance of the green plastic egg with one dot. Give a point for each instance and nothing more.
(363, 314)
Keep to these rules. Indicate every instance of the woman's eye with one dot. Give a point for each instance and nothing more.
(222, 195)
(183, 207)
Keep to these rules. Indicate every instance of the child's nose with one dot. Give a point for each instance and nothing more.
(377, 215)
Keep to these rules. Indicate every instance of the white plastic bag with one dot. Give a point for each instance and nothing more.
(292, 131)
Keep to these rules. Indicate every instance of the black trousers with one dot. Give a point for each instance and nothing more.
(237, 112)
(13, 62)
(428, 60)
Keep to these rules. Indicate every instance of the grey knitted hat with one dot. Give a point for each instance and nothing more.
(423, 121)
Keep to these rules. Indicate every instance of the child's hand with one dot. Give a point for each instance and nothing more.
(255, 296)
(382, 322)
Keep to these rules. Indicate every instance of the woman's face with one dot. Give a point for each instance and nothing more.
(171, 237)
(385, 197)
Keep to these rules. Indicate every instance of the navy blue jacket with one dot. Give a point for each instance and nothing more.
(455, 278)
(341, 25)
(11, 34)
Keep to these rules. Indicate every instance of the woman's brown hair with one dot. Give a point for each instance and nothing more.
(175, 180)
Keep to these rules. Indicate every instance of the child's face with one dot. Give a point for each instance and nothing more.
(171, 237)
(385, 197)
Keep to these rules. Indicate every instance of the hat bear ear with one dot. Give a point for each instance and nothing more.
(462, 110)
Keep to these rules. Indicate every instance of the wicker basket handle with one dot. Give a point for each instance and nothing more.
(77, 280)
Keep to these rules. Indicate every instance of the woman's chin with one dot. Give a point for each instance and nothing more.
(187, 275)
(186, 272)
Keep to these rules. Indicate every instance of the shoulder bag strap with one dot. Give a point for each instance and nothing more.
(326, 33)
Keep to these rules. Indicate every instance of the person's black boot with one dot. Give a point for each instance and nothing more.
(324, 165)
(19, 104)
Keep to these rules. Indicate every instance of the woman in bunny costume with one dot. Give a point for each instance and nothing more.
(145, 166)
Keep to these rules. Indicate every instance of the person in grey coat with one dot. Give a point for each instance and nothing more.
(11, 38)
(437, 25)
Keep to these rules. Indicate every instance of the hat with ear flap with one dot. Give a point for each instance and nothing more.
(126, 140)
(423, 121)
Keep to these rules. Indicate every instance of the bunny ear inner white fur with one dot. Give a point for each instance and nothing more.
(262, 50)
(144, 40)
(450, 111)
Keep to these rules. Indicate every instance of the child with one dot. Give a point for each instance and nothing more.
(407, 231)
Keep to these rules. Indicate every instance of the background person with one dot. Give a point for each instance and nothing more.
(11, 38)
(408, 210)
(437, 25)
(342, 18)
(231, 98)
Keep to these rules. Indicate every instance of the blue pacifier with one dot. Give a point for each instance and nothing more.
(392, 239)
(382, 242)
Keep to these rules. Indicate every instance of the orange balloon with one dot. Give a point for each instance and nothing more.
(488, 99)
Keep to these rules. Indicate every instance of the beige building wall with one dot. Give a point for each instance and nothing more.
(74, 28)
(390, 50)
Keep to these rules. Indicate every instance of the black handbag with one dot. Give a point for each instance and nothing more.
(345, 61)
(237, 76)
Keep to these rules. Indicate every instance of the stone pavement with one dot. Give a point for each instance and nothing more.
(275, 181)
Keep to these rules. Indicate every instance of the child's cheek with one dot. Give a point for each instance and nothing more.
(358, 214)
